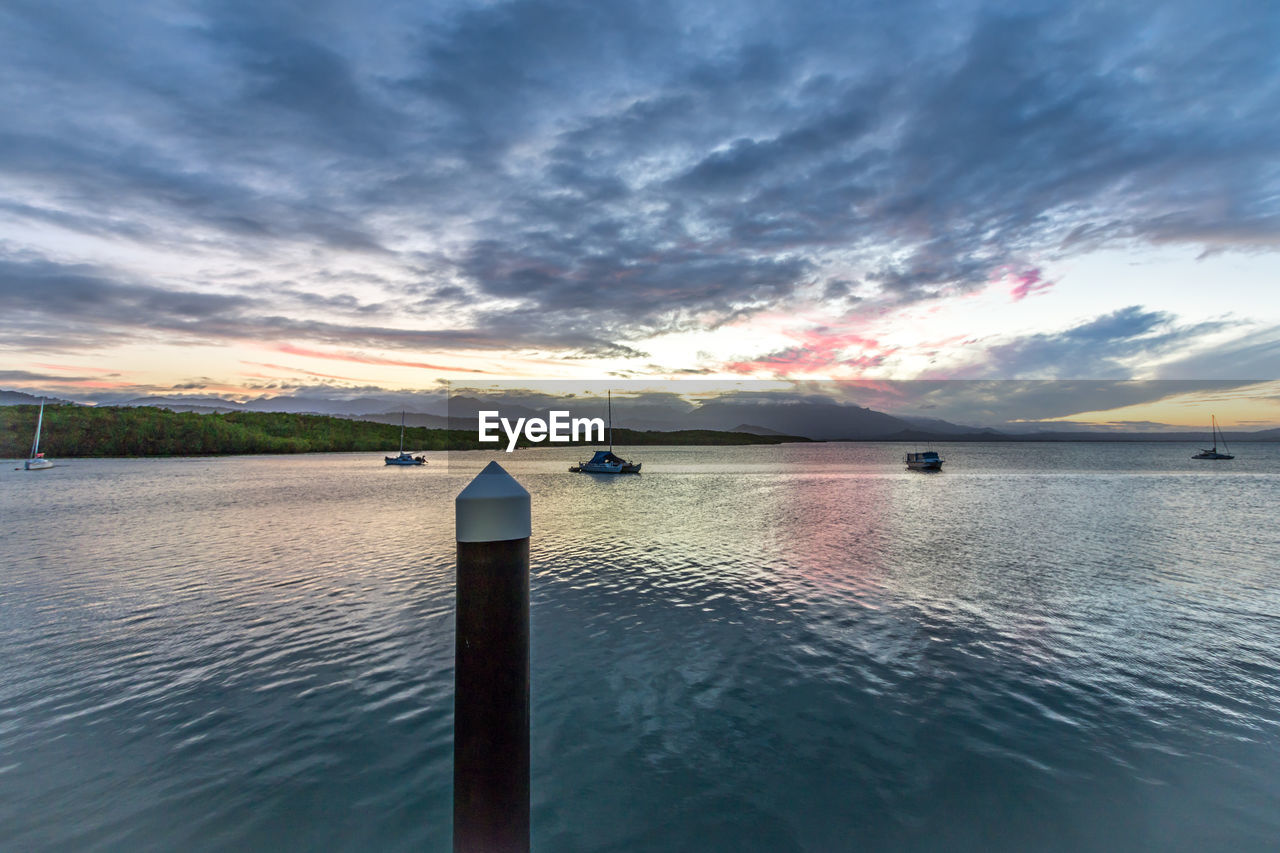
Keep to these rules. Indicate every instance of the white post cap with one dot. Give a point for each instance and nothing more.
(492, 508)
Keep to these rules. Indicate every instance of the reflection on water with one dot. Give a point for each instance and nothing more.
(795, 648)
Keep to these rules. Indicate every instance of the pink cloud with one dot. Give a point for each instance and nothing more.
(816, 350)
(293, 371)
(1025, 283)
(73, 368)
(98, 384)
(361, 358)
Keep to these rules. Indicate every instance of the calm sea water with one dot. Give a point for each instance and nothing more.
(1052, 647)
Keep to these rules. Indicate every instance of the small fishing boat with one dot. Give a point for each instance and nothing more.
(1216, 435)
(37, 462)
(404, 458)
(605, 461)
(926, 461)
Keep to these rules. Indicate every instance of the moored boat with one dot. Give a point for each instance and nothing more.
(1216, 435)
(404, 458)
(605, 461)
(926, 461)
(37, 462)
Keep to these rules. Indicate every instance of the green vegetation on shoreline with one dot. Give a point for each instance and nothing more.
(78, 431)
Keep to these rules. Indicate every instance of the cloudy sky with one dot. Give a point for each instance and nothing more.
(265, 197)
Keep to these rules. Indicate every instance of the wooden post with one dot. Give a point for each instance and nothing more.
(491, 690)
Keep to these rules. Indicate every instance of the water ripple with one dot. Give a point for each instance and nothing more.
(750, 649)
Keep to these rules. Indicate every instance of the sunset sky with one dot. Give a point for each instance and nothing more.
(259, 198)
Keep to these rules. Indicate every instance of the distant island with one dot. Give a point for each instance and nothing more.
(86, 431)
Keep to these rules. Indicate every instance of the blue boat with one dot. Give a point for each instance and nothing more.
(927, 461)
(605, 461)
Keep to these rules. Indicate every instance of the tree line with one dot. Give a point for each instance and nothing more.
(77, 431)
(71, 431)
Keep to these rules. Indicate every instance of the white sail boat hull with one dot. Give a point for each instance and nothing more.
(38, 464)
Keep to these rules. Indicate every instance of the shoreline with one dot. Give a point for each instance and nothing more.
(17, 460)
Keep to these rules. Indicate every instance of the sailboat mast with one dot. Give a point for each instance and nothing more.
(402, 430)
(1225, 446)
(35, 446)
(610, 420)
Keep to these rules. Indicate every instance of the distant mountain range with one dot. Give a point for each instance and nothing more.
(811, 417)
(355, 407)
(19, 398)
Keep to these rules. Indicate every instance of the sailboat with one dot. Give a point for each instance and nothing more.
(1217, 434)
(604, 461)
(404, 458)
(37, 462)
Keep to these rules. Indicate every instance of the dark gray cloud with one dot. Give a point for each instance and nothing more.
(1256, 354)
(1016, 405)
(579, 176)
(94, 308)
(1011, 404)
(49, 379)
(1105, 347)
(54, 306)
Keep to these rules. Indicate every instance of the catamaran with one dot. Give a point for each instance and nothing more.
(37, 462)
(604, 461)
(404, 458)
(1217, 434)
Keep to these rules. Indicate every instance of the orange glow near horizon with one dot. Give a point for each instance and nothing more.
(1253, 407)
